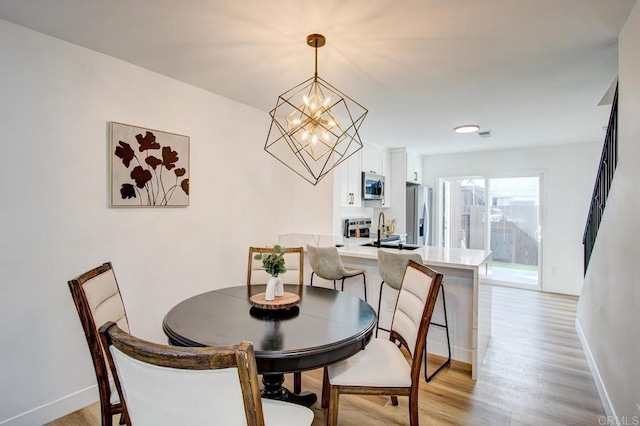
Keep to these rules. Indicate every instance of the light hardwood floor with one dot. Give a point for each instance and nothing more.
(535, 373)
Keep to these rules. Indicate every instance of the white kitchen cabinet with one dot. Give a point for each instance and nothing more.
(349, 175)
(372, 159)
(414, 168)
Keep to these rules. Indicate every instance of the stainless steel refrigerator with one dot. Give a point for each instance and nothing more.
(419, 215)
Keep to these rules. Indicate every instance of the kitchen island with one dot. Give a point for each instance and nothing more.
(467, 292)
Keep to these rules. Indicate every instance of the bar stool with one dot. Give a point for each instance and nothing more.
(325, 263)
(391, 267)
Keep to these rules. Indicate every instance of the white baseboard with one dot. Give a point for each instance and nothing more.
(602, 390)
(457, 353)
(54, 410)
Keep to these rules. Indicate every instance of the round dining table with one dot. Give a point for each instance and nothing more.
(325, 327)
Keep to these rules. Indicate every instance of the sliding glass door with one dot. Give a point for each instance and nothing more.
(497, 214)
(463, 213)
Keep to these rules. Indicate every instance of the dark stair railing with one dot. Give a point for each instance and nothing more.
(608, 162)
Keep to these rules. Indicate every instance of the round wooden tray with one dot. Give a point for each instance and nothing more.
(286, 301)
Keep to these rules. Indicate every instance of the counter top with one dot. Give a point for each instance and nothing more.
(352, 247)
(434, 256)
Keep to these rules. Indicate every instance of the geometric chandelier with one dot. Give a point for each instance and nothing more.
(314, 126)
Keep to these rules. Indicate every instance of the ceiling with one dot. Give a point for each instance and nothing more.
(530, 71)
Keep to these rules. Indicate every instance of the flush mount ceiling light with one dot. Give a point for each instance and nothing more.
(467, 128)
(314, 126)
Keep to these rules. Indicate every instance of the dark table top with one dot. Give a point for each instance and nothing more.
(327, 326)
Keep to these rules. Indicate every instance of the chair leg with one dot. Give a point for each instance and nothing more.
(297, 382)
(312, 279)
(428, 377)
(334, 285)
(413, 409)
(379, 305)
(107, 415)
(325, 389)
(332, 415)
(364, 283)
(124, 417)
(394, 400)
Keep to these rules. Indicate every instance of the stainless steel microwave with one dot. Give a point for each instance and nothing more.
(372, 186)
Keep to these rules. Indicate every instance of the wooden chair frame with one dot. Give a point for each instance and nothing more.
(108, 410)
(331, 393)
(297, 377)
(240, 356)
(254, 250)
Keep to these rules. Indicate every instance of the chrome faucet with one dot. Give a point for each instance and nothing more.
(380, 216)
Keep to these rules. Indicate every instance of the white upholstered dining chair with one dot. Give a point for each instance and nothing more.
(391, 267)
(381, 368)
(97, 298)
(170, 385)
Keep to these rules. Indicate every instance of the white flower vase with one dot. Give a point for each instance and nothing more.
(274, 288)
(279, 287)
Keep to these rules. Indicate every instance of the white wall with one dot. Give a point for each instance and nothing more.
(609, 307)
(56, 100)
(568, 177)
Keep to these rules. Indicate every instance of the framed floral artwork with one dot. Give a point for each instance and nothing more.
(149, 168)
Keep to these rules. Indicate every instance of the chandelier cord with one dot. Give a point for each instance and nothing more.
(316, 49)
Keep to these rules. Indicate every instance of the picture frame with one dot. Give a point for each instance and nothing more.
(149, 168)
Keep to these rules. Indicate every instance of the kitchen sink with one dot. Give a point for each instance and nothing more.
(396, 246)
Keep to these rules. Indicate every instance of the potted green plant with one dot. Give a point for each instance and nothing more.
(273, 264)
